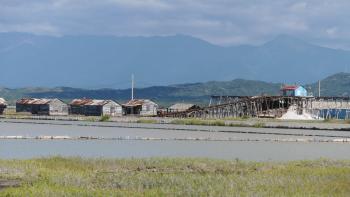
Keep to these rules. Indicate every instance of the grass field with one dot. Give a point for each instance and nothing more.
(172, 177)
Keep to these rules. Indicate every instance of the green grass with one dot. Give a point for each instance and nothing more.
(194, 121)
(220, 122)
(59, 176)
(147, 121)
(105, 118)
(337, 121)
(259, 125)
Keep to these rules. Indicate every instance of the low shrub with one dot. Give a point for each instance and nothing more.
(105, 118)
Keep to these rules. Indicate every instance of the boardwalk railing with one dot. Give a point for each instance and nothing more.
(267, 106)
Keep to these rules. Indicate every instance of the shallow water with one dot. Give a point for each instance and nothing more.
(256, 151)
(253, 151)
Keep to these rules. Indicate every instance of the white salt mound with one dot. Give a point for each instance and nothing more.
(293, 115)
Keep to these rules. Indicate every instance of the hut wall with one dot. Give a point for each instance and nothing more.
(53, 107)
(92, 110)
(132, 110)
(3, 106)
(76, 109)
(41, 109)
(112, 109)
(301, 91)
(23, 108)
(149, 109)
(33, 109)
(58, 108)
(2, 109)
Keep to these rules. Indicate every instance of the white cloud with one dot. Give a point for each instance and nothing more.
(299, 7)
(218, 21)
(158, 4)
(294, 25)
(332, 32)
(34, 28)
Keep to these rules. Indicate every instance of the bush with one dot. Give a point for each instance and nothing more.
(259, 125)
(105, 118)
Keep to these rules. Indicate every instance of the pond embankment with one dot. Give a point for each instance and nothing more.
(343, 125)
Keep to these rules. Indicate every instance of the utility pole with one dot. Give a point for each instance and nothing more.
(132, 86)
(319, 88)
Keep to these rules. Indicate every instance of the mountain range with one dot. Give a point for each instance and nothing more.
(334, 85)
(94, 62)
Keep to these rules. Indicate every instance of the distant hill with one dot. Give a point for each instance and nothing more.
(105, 61)
(198, 92)
(335, 85)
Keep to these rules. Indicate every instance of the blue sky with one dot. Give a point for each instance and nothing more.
(223, 22)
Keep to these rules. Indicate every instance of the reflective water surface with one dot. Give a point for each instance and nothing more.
(247, 150)
(254, 151)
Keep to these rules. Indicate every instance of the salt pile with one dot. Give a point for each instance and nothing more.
(293, 115)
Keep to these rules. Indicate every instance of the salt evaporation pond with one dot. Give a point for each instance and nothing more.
(245, 150)
(253, 151)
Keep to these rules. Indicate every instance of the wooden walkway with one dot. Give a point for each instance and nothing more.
(264, 106)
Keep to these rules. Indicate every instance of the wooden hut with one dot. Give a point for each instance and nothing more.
(143, 107)
(180, 107)
(51, 107)
(91, 107)
(3, 105)
(294, 90)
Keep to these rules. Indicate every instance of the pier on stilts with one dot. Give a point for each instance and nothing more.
(268, 106)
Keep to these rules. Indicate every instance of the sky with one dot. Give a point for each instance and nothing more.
(222, 22)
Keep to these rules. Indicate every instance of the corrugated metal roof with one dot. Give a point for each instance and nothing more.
(2, 101)
(99, 102)
(181, 106)
(34, 101)
(80, 101)
(90, 102)
(137, 102)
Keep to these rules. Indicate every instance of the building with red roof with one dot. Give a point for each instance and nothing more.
(293, 90)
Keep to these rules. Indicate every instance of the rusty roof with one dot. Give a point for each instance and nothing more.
(91, 102)
(293, 87)
(137, 102)
(80, 101)
(2, 101)
(34, 101)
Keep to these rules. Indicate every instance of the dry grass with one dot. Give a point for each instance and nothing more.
(174, 177)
